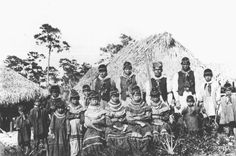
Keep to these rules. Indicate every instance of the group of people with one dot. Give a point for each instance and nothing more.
(121, 117)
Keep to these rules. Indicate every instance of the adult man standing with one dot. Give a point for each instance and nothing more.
(158, 82)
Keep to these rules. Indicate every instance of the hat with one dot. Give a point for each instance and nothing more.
(157, 65)
(135, 90)
(74, 94)
(54, 88)
(86, 88)
(127, 65)
(185, 61)
(155, 93)
(93, 94)
(208, 72)
(190, 98)
(102, 67)
(114, 92)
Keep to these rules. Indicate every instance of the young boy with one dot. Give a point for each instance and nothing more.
(126, 81)
(227, 110)
(75, 117)
(191, 115)
(116, 126)
(138, 115)
(84, 100)
(103, 84)
(40, 122)
(94, 138)
(58, 131)
(23, 128)
(160, 113)
(209, 98)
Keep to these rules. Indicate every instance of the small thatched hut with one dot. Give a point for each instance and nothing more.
(15, 88)
(161, 47)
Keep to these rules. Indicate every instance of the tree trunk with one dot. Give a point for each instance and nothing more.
(49, 57)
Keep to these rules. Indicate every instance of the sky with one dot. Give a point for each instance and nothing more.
(206, 27)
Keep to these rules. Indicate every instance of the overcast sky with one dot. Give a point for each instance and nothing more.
(206, 27)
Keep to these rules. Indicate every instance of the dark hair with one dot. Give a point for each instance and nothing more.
(208, 72)
(86, 88)
(135, 90)
(190, 98)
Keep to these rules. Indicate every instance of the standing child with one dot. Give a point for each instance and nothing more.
(126, 81)
(138, 115)
(76, 120)
(40, 122)
(58, 131)
(160, 113)
(94, 138)
(209, 98)
(84, 100)
(24, 132)
(191, 115)
(117, 140)
(228, 109)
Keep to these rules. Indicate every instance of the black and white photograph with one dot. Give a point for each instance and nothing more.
(117, 78)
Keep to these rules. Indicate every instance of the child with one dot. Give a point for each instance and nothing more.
(23, 128)
(227, 109)
(40, 122)
(116, 137)
(126, 81)
(94, 138)
(138, 115)
(182, 99)
(103, 84)
(58, 131)
(191, 115)
(76, 119)
(160, 113)
(208, 98)
(84, 100)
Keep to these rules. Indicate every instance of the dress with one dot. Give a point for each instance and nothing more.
(191, 118)
(138, 116)
(116, 131)
(59, 145)
(94, 138)
(227, 110)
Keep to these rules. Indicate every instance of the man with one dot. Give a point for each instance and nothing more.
(158, 82)
(180, 79)
(103, 84)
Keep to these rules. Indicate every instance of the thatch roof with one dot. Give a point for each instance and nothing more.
(15, 88)
(161, 47)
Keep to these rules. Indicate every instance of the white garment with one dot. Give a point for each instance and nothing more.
(183, 101)
(74, 147)
(210, 100)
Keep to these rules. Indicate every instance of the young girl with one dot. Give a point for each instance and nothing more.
(191, 115)
(138, 115)
(160, 113)
(23, 127)
(94, 138)
(58, 131)
(75, 116)
(116, 131)
(227, 110)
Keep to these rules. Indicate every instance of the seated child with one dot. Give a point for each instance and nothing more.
(94, 138)
(116, 129)
(138, 115)
(227, 110)
(191, 115)
(160, 113)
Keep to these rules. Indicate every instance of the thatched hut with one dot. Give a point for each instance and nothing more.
(161, 47)
(15, 88)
